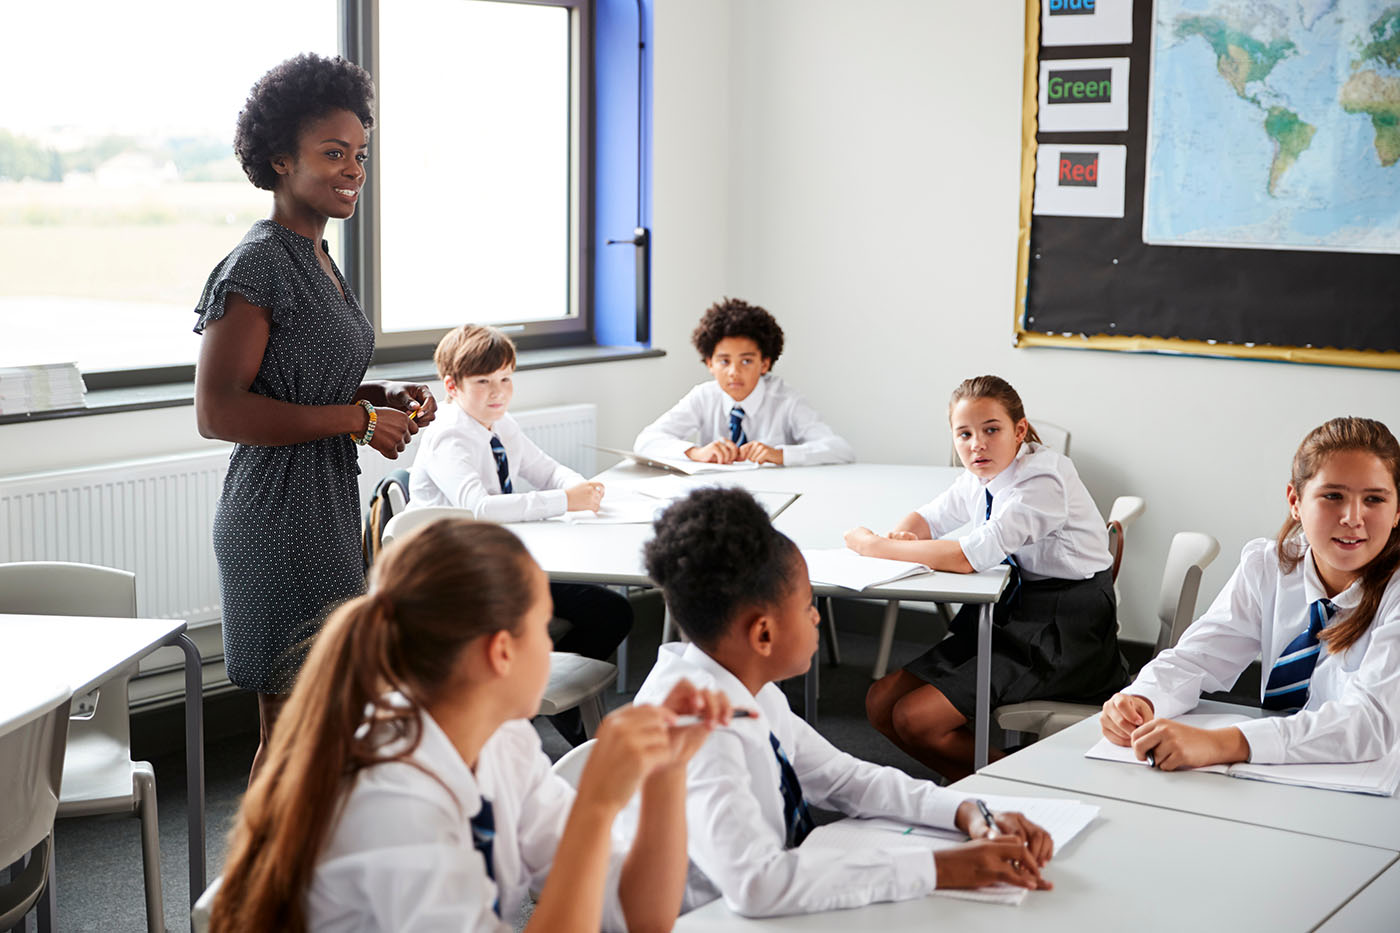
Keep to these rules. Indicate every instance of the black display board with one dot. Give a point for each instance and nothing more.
(1093, 282)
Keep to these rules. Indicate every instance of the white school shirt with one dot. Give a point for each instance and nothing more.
(1353, 708)
(734, 807)
(400, 857)
(1041, 514)
(774, 414)
(456, 467)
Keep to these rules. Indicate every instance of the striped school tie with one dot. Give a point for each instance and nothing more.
(484, 838)
(736, 426)
(796, 816)
(498, 450)
(1287, 688)
(1015, 588)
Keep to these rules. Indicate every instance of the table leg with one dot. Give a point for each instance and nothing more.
(194, 761)
(982, 727)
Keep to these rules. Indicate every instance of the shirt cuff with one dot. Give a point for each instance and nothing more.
(1164, 705)
(915, 874)
(982, 550)
(793, 455)
(1265, 741)
(553, 502)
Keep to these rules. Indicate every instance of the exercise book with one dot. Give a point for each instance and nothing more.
(839, 566)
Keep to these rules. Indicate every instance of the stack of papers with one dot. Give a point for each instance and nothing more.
(46, 387)
(1062, 819)
(1380, 777)
(620, 507)
(839, 566)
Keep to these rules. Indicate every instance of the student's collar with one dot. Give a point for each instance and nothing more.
(1313, 588)
(436, 752)
(1008, 476)
(476, 427)
(754, 401)
(769, 701)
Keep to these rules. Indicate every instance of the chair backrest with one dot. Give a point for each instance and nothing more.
(32, 741)
(58, 588)
(1121, 516)
(1191, 552)
(389, 498)
(405, 522)
(570, 767)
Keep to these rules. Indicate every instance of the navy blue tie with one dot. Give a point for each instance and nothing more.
(796, 817)
(736, 426)
(502, 465)
(1015, 587)
(484, 838)
(1287, 688)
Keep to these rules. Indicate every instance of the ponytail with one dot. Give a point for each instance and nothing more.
(430, 594)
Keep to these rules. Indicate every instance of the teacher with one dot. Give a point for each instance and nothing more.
(286, 345)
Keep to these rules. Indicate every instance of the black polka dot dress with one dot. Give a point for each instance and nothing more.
(287, 527)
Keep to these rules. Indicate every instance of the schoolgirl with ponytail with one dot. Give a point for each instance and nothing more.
(1320, 604)
(405, 790)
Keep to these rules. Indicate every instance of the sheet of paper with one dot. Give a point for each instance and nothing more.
(1380, 777)
(1063, 819)
(1107, 751)
(841, 566)
(624, 506)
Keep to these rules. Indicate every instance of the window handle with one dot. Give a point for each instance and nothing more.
(641, 239)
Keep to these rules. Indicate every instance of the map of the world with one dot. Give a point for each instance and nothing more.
(1275, 124)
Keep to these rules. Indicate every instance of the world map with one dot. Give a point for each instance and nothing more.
(1275, 124)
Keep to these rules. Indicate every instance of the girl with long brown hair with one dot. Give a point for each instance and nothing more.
(1320, 603)
(1056, 631)
(405, 790)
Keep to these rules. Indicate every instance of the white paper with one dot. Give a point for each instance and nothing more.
(841, 566)
(1086, 22)
(1080, 181)
(1084, 103)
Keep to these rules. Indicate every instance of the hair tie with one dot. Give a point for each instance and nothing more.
(384, 603)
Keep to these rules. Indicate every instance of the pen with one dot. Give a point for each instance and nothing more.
(987, 816)
(1151, 760)
(683, 721)
(413, 415)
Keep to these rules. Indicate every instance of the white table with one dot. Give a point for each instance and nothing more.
(830, 500)
(1376, 907)
(1135, 868)
(85, 652)
(1059, 762)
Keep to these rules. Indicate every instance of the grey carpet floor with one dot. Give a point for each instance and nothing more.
(99, 860)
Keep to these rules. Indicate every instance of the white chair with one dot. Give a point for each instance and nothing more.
(1125, 511)
(1190, 554)
(199, 913)
(99, 776)
(570, 767)
(31, 768)
(404, 522)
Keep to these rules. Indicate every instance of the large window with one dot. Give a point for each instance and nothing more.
(119, 191)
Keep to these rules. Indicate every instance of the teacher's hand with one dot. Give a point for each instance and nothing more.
(392, 431)
(409, 397)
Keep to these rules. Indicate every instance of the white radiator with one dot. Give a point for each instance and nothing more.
(155, 518)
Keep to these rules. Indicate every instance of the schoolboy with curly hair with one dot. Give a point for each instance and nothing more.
(745, 412)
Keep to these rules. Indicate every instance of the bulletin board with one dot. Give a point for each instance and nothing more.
(1250, 209)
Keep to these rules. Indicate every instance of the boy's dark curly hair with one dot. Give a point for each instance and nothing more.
(733, 317)
(716, 553)
(295, 92)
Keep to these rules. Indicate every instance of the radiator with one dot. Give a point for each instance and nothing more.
(155, 518)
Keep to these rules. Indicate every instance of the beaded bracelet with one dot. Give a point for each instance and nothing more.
(368, 435)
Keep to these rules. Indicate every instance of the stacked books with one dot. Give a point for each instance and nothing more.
(46, 387)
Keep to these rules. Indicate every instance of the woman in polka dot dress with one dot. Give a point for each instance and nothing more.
(285, 348)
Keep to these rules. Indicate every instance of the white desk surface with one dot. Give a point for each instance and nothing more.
(1120, 873)
(1377, 907)
(831, 499)
(1059, 762)
(81, 652)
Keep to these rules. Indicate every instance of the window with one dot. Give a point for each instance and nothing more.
(119, 190)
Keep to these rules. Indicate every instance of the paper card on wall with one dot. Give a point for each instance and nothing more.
(1083, 95)
(1080, 180)
(1086, 22)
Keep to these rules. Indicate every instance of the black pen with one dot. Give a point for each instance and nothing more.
(1151, 760)
(987, 816)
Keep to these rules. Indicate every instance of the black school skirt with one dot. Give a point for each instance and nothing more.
(1051, 640)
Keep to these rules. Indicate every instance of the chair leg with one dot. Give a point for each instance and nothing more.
(833, 647)
(882, 656)
(47, 919)
(12, 875)
(668, 626)
(591, 711)
(150, 848)
(626, 592)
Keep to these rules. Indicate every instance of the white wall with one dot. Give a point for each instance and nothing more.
(854, 167)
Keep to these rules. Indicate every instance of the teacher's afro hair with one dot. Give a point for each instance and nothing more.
(284, 100)
(716, 553)
(732, 317)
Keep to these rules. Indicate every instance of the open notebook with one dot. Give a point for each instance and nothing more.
(682, 465)
(1062, 819)
(1379, 777)
(839, 566)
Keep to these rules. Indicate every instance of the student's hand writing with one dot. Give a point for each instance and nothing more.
(1175, 745)
(1008, 823)
(760, 453)
(982, 862)
(685, 699)
(860, 539)
(632, 743)
(1123, 713)
(585, 497)
(392, 432)
(409, 397)
(720, 451)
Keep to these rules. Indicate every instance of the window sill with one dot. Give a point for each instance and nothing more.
(172, 395)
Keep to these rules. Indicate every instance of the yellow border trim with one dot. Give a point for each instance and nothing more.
(1324, 356)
